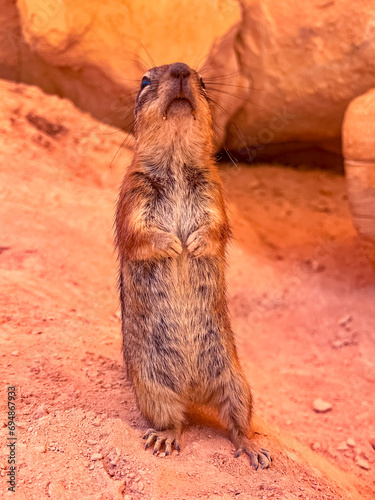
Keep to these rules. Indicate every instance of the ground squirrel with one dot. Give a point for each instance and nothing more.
(171, 234)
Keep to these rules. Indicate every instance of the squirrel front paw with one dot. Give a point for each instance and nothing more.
(199, 243)
(166, 244)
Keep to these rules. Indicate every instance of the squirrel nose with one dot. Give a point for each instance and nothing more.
(179, 70)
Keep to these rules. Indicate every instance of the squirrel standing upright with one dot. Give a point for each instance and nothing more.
(171, 235)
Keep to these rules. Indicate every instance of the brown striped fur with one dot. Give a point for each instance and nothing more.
(171, 234)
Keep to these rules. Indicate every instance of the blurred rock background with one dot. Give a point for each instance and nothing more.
(288, 69)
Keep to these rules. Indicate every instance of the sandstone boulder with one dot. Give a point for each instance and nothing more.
(359, 152)
(303, 62)
(96, 52)
(280, 74)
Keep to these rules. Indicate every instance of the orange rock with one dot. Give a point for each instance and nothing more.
(96, 52)
(359, 153)
(359, 129)
(225, 84)
(304, 62)
(321, 406)
(293, 66)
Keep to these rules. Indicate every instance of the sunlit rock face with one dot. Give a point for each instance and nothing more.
(359, 152)
(278, 72)
(95, 52)
(304, 62)
(11, 40)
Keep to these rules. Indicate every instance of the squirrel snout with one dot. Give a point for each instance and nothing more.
(179, 70)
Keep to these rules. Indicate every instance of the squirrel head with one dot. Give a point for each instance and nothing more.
(172, 114)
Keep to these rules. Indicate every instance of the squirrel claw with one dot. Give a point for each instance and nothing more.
(158, 439)
(258, 456)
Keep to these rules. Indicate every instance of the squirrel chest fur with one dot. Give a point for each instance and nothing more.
(171, 234)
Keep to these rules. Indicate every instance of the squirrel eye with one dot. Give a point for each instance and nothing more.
(202, 83)
(145, 81)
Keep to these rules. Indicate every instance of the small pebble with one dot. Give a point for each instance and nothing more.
(345, 320)
(363, 464)
(336, 344)
(350, 442)
(316, 446)
(15, 353)
(40, 411)
(91, 442)
(321, 406)
(342, 446)
(96, 456)
(372, 443)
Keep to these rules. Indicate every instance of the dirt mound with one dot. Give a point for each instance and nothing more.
(296, 269)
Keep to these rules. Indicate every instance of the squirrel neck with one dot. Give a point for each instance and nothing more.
(173, 156)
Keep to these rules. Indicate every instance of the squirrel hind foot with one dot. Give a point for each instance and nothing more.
(258, 456)
(169, 439)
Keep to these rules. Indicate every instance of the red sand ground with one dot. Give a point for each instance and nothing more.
(301, 295)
